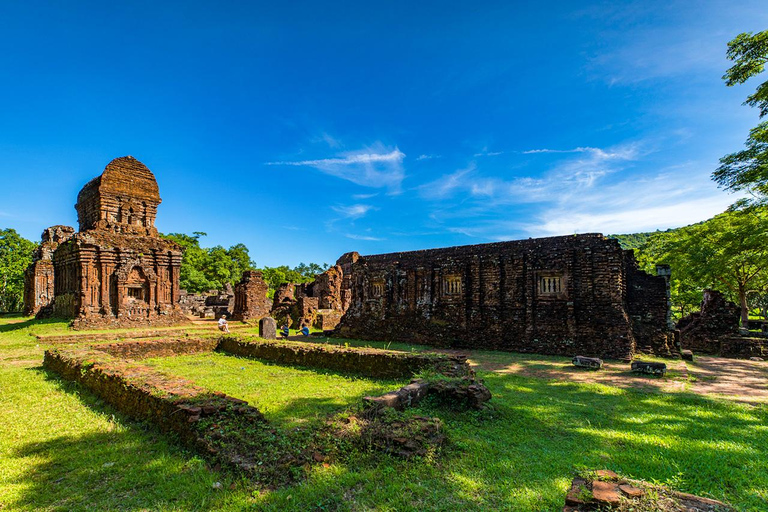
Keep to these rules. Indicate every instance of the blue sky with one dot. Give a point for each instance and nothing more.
(311, 129)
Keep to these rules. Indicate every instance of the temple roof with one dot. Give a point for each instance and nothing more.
(124, 176)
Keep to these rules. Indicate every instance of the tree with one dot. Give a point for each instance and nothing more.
(747, 170)
(727, 252)
(15, 257)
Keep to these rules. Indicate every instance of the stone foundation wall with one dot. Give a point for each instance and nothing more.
(173, 404)
(158, 348)
(369, 362)
(743, 347)
(561, 295)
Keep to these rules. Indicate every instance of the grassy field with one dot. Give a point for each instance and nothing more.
(287, 396)
(62, 449)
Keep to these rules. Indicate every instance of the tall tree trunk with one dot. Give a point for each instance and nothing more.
(744, 307)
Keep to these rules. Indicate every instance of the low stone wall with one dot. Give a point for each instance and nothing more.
(365, 361)
(109, 336)
(741, 346)
(173, 404)
(158, 348)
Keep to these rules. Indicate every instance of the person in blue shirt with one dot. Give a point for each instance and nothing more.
(285, 332)
(305, 330)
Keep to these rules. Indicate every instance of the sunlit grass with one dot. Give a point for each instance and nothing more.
(62, 449)
(290, 396)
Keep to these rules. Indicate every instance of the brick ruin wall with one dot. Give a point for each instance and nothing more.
(567, 295)
(251, 302)
(715, 325)
(39, 276)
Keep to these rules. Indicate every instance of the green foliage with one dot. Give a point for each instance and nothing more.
(727, 253)
(747, 170)
(204, 269)
(275, 276)
(750, 53)
(15, 257)
(632, 240)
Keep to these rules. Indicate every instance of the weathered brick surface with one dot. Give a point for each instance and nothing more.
(365, 361)
(704, 331)
(567, 295)
(116, 271)
(144, 349)
(38, 278)
(171, 403)
(743, 347)
(251, 302)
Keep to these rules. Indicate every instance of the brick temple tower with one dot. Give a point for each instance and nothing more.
(116, 271)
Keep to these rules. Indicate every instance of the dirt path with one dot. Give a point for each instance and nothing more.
(734, 379)
(737, 379)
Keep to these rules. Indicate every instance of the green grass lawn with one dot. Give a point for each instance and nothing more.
(62, 449)
(288, 396)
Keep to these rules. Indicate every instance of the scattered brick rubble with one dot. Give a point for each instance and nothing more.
(459, 392)
(605, 490)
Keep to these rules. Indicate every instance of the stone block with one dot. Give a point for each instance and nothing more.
(593, 363)
(687, 355)
(606, 493)
(268, 328)
(649, 368)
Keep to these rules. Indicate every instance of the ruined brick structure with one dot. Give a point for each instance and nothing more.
(38, 278)
(568, 295)
(116, 271)
(705, 330)
(251, 302)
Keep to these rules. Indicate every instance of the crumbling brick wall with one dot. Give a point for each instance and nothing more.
(561, 295)
(648, 308)
(703, 331)
(251, 302)
(38, 278)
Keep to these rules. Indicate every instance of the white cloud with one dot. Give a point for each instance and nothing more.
(364, 237)
(488, 153)
(375, 167)
(630, 220)
(363, 196)
(564, 179)
(354, 211)
(426, 157)
(600, 190)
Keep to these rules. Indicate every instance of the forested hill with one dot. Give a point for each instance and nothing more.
(637, 240)
(632, 240)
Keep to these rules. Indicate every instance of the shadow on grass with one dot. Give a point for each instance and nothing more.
(15, 326)
(518, 455)
(522, 453)
(128, 466)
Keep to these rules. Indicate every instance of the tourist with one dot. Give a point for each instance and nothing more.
(304, 330)
(223, 326)
(285, 332)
